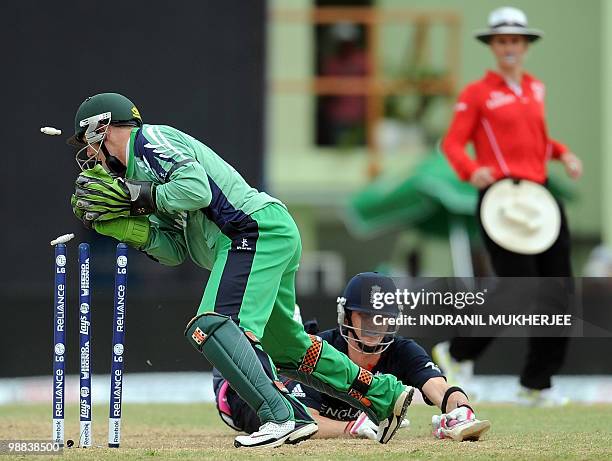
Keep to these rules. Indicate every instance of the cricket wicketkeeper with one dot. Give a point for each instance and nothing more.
(170, 196)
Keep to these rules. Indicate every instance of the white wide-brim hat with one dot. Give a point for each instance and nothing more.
(521, 216)
(508, 20)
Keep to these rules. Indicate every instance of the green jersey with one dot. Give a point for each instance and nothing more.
(198, 195)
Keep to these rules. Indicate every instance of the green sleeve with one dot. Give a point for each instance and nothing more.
(187, 190)
(166, 242)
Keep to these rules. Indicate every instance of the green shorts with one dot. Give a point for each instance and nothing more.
(253, 281)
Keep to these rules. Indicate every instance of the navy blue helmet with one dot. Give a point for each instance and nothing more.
(364, 295)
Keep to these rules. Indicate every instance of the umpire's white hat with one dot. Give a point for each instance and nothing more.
(521, 216)
(507, 20)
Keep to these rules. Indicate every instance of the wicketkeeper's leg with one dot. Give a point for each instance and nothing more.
(314, 362)
(225, 346)
(243, 286)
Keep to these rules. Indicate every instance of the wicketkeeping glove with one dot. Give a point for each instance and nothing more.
(79, 212)
(134, 230)
(100, 196)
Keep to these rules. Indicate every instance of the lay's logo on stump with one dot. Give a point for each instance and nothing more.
(199, 336)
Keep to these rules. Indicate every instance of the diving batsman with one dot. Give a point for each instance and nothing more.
(172, 197)
(368, 335)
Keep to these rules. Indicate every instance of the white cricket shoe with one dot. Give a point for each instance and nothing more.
(540, 398)
(456, 372)
(273, 434)
(388, 427)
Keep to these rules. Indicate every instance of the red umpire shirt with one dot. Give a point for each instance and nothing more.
(507, 127)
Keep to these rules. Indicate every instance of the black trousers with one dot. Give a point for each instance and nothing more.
(545, 355)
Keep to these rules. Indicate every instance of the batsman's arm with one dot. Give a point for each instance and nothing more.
(435, 389)
(329, 428)
(166, 242)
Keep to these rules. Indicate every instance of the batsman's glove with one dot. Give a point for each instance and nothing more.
(101, 197)
(459, 424)
(364, 428)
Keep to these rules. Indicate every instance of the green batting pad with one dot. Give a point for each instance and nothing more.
(226, 347)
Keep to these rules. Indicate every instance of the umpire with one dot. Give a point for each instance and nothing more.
(503, 116)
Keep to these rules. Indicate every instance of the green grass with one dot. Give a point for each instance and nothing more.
(194, 432)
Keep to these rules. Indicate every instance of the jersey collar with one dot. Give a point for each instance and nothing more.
(494, 78)
(129, 153)
(497, 79)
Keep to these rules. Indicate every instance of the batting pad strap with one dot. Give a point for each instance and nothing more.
(311, 358)
(361, 384)
(448, 393)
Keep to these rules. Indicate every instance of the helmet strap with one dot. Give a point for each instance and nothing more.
(113, 163)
